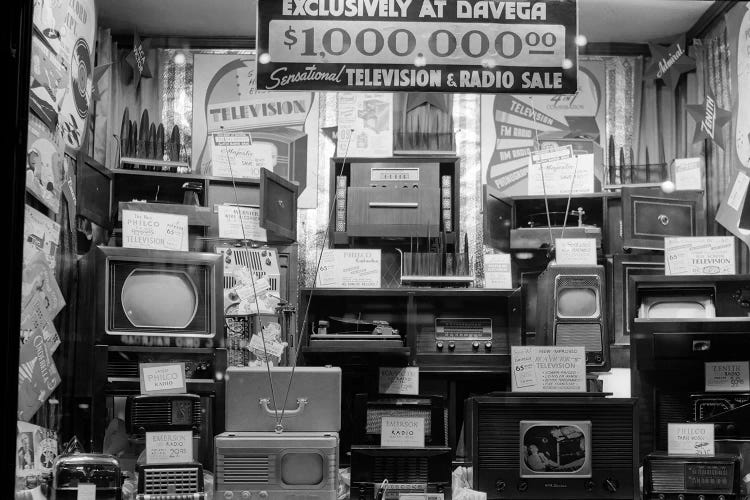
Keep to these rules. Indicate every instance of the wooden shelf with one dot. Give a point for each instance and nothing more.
(386, 292)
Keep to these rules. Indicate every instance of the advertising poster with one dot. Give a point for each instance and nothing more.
(40, 234)
(365, 124)
(36, 449)
(44, 164)
(430, 46)
(281, 127)
(37, 375)
(49, 83)
(511, 125)
(738, 40)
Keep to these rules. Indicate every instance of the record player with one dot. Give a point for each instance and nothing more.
(355, 332)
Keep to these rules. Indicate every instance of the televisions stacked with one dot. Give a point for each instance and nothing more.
(281, 438)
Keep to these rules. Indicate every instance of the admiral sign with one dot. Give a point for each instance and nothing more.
(477, 46)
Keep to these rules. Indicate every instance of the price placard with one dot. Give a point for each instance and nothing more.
(457, 46)
(399, 380)
(350, 268)
(249, 227)
(728, 376)
(406, 432)
(162, 378)
(548, 369)
(154, 230)
(699, 255)
(497, 271)
(690, 439)
(575, 251)
(169, 447)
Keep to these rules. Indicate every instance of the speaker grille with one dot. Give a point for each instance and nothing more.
(578, 281)
(588, 335)
(401, 469)
(668, 477)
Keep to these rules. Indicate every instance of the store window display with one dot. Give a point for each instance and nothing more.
(381, 250)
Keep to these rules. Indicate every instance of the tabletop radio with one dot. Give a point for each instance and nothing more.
(370, 410)
(170, 482)
(682, 477)
(262, 262)
(277, 466)
(71, 471)
(152, 413)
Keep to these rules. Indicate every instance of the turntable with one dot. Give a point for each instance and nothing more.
(355, 332)
(534, 230)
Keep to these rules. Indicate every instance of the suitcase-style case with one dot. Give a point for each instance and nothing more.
(312, 405)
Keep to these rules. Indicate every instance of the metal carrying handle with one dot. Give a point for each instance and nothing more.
(663, 219)
(301, 403)
(385, 204)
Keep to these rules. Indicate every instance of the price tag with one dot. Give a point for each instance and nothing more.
(688, 173)
(162, 378)
(739, 190)
(248, 229)
(497, 271)
(238, 156)
(690, 439)
(355, 268)
(86, 491)
(154, 230)
(548, 369)
(169, 447)
(728, 376)
(405, 432)
(704, 255)
(575, 251)
(399, 380)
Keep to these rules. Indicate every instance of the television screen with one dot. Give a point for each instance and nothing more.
(302, 469)
(577, 303)
(677, 307)
(159, 298)
(555, 448)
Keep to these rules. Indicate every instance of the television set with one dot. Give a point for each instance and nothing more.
(578, 446)
(277, 466)
(407, 471)
(573, 313)
(156, 297)
(683, 306)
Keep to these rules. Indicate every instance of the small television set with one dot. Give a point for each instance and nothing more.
(677, 306)
(277, 466)
(578, 446)
(142, 295)
(570, 299)
(370, 410)
(407, 471)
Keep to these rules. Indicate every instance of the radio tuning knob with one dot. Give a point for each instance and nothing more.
(662, 496)
(681, 496)
(611, 484)
(451, 346)
(228, 494)
(488, 346)
(245, 495)
(439, 346)
(701, 497)
(263, 494)
(589, 485)
(475, 345)
(500, 485)
(523, 486)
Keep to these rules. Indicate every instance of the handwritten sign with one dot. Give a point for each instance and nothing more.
(688, 173)
(690, 439)
(575, 251)
(706, 255)
(169, 447)
(553, 172)
(154, 230)
(162, 378)
(497, 271)
(399, 380)
(236, 155)
(231, 227)
(548, 369)
(405, 432)
(728, 376)
(357, 268)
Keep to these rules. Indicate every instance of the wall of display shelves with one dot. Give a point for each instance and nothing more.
(444, 331)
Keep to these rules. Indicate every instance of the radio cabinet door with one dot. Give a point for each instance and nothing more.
(393, 212)
(649, 216)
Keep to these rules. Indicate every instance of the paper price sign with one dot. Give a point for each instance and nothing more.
(231, 227)
(690, 439)
(728, 376)
(709, 255)
(399, 380)
(169, 447)
(153, 230)
(238, 156)
(548, 369)
(162, 378)
(575, 251)
(524, 373)
(405, 432)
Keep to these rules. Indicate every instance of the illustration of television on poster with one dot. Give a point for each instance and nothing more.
(238, 131)
(557, 449)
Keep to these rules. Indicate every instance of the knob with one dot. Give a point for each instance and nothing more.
(500, 485)
(589, 485)
(262, 253)
(663, 219)
(662, 496)
(245, 495)
(263, 494)
(523, 486)
(228, 494)
(451, 346)
(722, 497)
(597, 358)
(439, 346)
(475, 345)
(611, 484)
(701, 497)
(488, 346)
(681, 496)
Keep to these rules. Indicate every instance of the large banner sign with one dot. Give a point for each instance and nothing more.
(474, 46)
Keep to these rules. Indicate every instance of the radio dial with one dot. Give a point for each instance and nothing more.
(451, 346)
(475, 345)
(500, 485)
(523, 486)
(439, 346)
(488, 346)
(611, 484)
